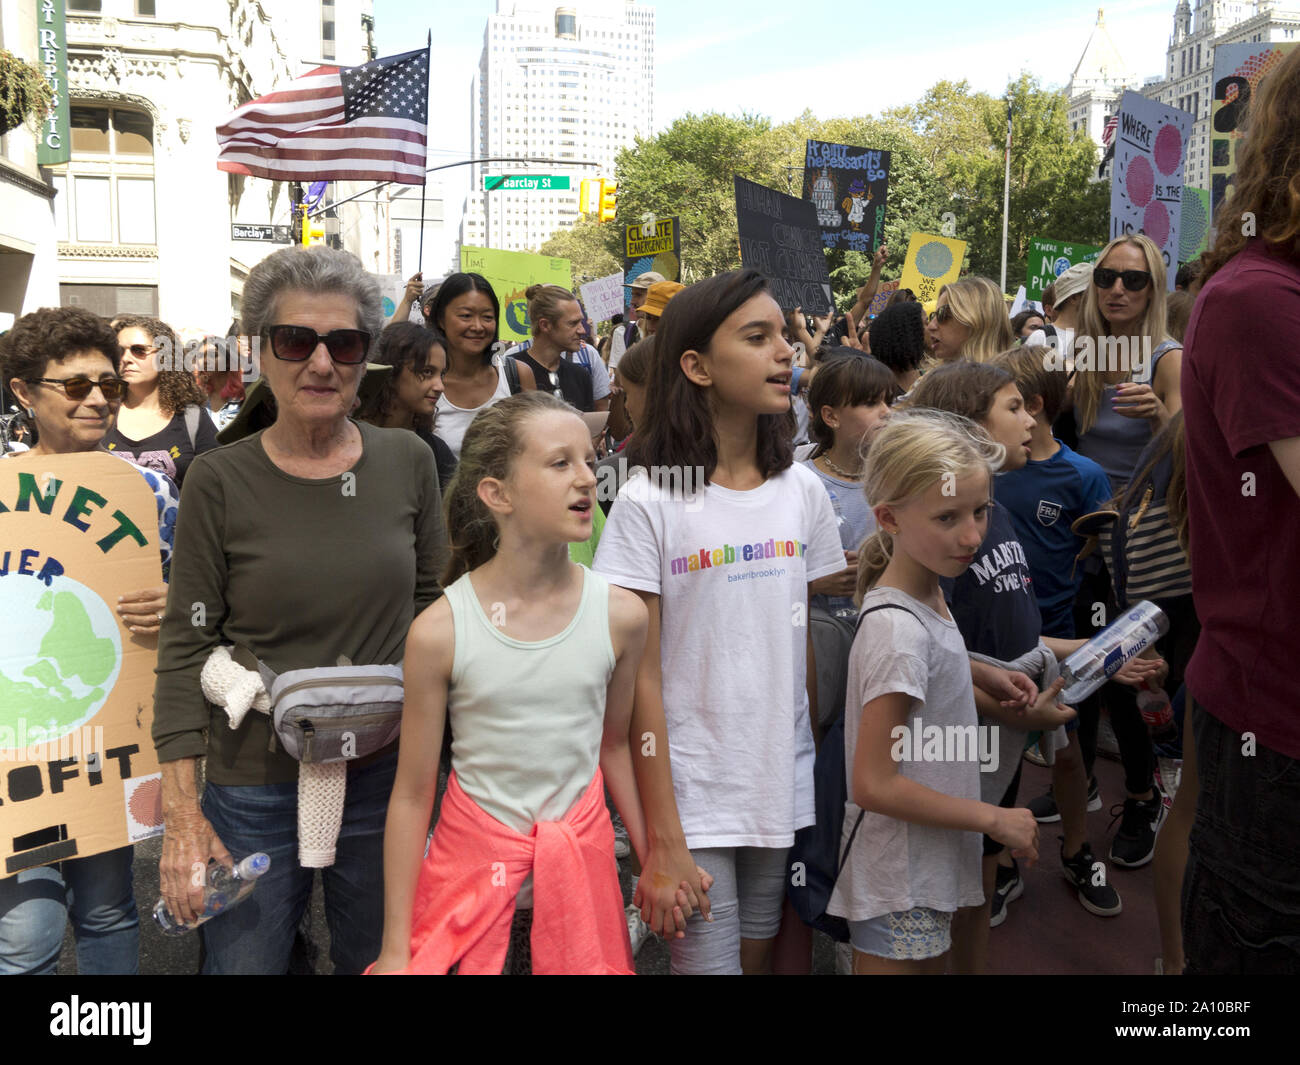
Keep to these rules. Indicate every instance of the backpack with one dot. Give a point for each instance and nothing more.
(817, 847)
(511, 370)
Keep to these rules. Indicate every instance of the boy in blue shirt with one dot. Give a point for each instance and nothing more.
(1044, 498)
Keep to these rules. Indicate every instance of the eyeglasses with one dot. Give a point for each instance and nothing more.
(941, 314)
(555, 383)
(295, 343)
(140, 350)
(1134, 280)
(79, 387)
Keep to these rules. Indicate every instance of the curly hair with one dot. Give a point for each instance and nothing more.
(176, 388)
(51, 334)
(401, 344)
(898, 336)
(1267, 185)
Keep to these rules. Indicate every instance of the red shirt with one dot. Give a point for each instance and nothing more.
(1241, 390)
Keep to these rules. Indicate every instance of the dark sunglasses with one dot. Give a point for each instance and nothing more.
(941, 314)
(295, 343)
(555, 383)
(140, 350)
(1134, 280)
(112, 388)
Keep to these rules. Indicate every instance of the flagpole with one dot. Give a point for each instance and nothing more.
(1006, 199)
(424, 185)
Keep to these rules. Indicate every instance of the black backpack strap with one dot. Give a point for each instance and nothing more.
(511, 369)
(848, 847)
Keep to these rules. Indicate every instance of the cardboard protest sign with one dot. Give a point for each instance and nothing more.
(655, 244)
(1049, 259)
(391, 288)
(1238, 69)
(931, 263)
(604, 297)
(847, 186)
(881, 297)
(1194, 237)
(780, 238)
(78, 773)
(510, 273)
(1146, 189)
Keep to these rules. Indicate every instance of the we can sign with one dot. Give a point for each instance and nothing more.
(78, 773)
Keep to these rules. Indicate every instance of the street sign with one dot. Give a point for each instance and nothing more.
(275, 234)
(524, 182)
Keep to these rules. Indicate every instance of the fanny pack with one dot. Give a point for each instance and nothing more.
(334, 713)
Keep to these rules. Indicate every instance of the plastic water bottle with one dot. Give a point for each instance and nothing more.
(224, 888)
(842, 605)
(1101, 657)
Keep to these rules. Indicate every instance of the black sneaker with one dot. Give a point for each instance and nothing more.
(1140, 819)
(1089, 878)
(1009, 888)
(1044, 807)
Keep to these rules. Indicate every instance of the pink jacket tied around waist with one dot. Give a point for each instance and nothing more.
(465, 899)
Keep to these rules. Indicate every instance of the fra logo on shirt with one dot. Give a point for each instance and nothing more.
(1048, 512)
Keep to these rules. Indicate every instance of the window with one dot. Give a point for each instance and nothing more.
(106, 192)
(145, 8)
(85, 6)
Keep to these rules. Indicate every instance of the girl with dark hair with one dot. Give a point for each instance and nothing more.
(408, 398)
(897, 337)
(720, 534)
(162, 424)
(467, 314)
(524, 643)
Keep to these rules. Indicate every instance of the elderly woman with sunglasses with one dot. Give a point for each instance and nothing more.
(311, 543)
(62, 365)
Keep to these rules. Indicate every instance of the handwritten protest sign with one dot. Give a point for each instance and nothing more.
(1049, 259)
(510, 273)
(1146, 190)
(847, 186)
(78, 773)
(604, 297)
(881, 297)
(780, 238)
(1238, 69)
(931, 263)
(653, 245)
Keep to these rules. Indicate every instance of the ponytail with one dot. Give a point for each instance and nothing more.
(493, 440)
(873, 556)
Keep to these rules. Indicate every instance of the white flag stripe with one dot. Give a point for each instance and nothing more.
(364, 170)
(374, 137)
(288, 117)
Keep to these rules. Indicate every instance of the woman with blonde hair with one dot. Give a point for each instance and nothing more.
(1125, 385)
(970, 322)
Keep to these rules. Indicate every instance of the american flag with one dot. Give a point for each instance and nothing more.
(1108, 134)
(364, 123)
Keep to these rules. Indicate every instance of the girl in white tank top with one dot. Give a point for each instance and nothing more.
(532, 657)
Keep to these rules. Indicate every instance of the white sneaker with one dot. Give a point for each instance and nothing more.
(622, 848)
(637, 930)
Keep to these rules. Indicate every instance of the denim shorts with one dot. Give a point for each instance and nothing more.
(913, 935)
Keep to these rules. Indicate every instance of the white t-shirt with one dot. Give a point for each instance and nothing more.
(897, 865)
(732, 571)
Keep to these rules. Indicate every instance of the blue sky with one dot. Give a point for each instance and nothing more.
(778, 57)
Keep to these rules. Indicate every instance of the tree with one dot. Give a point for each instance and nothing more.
(592, 249)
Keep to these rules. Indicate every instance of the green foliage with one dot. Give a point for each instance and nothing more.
(947, 156)
(24, 93)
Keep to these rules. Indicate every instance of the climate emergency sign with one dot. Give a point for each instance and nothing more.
(78, 774)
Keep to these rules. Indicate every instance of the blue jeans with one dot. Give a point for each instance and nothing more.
(1241, 890)
(256, 936)
(95, 892)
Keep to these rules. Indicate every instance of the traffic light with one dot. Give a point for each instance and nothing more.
(589, 195)
(312, 231)
(608, 200)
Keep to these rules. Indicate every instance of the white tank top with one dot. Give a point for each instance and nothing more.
(527, 717)
(451, 421)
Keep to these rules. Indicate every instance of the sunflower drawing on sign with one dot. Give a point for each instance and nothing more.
(855, 203)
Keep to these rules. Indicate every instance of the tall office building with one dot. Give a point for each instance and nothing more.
(572, 84)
